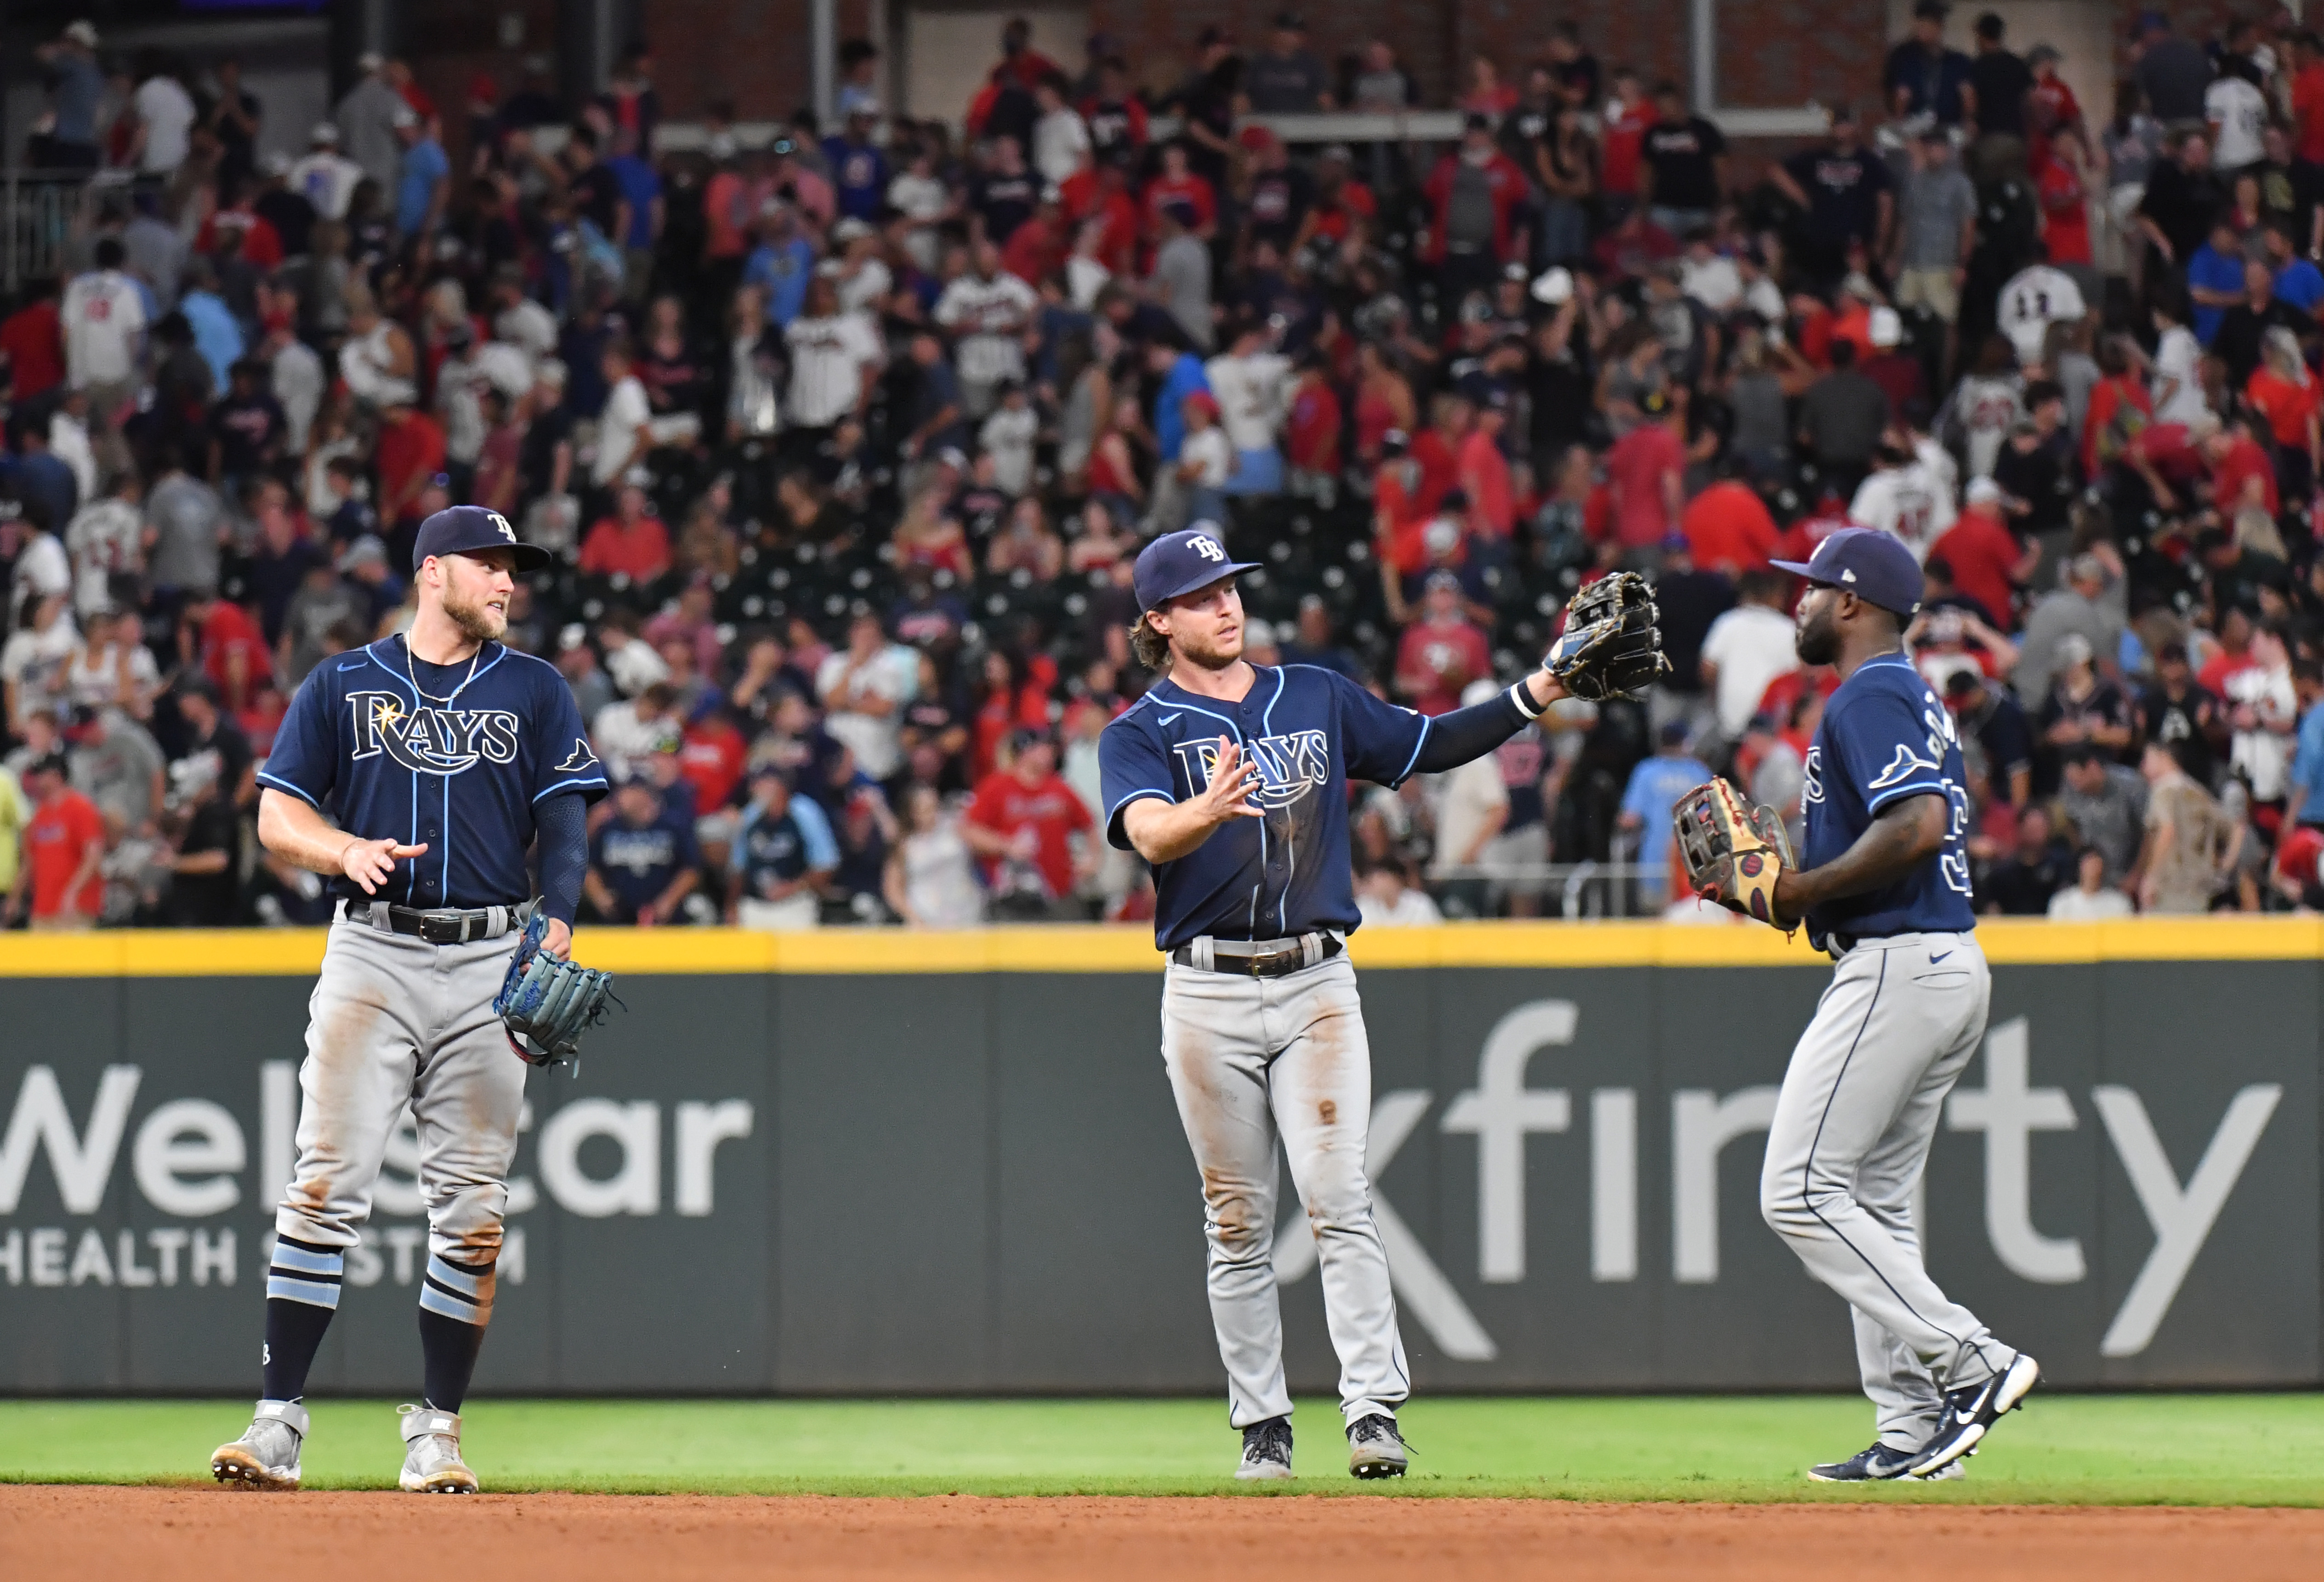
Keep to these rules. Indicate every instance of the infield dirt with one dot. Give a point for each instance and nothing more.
(101, 1534)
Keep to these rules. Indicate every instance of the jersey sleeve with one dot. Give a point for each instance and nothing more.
(1377, 741)
(1887, 752)
(1131, 765)
(304, 760)
(821, 847)
(562, 758)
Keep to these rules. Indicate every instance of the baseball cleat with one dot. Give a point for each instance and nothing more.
(266, 1456)
(1374, 1449)
(1971, 1411)
(432, 1457)
(1266, 1451)
(1880, 1463)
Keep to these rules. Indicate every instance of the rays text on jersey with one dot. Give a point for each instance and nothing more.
(430, 740)
(1289, 766)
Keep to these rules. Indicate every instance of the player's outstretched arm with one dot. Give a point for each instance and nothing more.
(1904, 834)
(297, 833)
(1465, 734)
(1163, 832)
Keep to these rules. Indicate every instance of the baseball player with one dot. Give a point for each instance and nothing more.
(1231, 779)
(441, 757)
(1885, 890)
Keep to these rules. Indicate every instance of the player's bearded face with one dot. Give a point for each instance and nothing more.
(1207, 627)
(1816, 634)
(476, 595)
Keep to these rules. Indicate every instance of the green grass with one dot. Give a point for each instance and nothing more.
(2121, 1449)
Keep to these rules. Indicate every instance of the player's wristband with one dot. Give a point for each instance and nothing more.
(1522, 696)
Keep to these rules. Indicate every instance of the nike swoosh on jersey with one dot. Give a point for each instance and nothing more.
(1165, 718)
(356, 666)
(1935, 956)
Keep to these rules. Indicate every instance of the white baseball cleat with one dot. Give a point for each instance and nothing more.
(1375, 1448)
(431, 1454)
(266, 1456)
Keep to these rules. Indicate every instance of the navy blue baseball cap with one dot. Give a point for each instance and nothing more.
(1180, 562)
(1874, 566)
(462, 530)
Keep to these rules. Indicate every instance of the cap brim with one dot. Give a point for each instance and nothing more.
(1211, 575)
(529, 556)
(1797, 568)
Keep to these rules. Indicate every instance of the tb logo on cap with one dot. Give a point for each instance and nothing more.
(1208, 548)
(502, 523)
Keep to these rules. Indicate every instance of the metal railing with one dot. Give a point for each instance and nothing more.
(38, 212)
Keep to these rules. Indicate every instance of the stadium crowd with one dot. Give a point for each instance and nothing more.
(846, 437)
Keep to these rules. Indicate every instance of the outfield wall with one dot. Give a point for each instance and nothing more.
(949, 1163)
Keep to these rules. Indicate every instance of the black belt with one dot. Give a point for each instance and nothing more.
(1267, 958)
(440, 928)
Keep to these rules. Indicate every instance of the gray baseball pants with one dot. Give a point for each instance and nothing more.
(1859, 1107)
(394, 1020)
(1252, 1059)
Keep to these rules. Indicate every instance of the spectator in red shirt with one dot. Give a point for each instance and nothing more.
(1311, 431)
(1728, 529)
(1342, 203)
(1645, 470)
(1021, 821)
(711, 755)
(262, 244)
(2051, 103)
(1026, 64)
(1443, 651)
(2307, 101)
(633, 543)
(2243, 475)
(1437, 450)
(1485, 480)
(410, 454)
(1469, 256)
(1099, 194)
(226, 644)
(1037, 249)
(1986, 562)
(1622, 142)
(2060, 183)
(33, 345)
(1178, 184)
(58, 880)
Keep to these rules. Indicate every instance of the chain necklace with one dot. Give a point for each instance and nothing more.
(420, 691)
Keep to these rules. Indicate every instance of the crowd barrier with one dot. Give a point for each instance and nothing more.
(949, 1163)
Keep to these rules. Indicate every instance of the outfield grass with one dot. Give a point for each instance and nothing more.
(2121, 1449)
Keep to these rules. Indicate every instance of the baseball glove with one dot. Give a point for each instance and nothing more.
(1612, 645)
(1733, 853)
(545, 1003)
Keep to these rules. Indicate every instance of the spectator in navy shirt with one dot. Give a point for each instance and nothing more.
(1846, 189)
(1925, 78)
(643, 863)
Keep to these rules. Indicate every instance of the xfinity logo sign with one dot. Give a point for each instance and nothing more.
(1504, 1113)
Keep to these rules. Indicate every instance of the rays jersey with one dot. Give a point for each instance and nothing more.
(1311, 731)
(1884, 737)
(454, 756)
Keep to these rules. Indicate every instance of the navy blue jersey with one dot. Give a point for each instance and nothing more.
(437, 753)
(638, 861)
(1310, 731)
(1884, 737)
